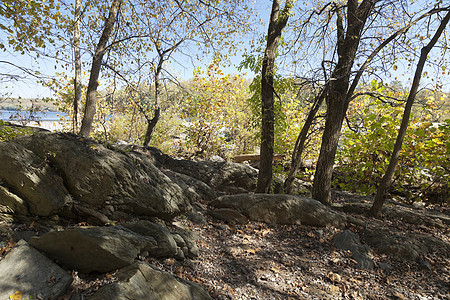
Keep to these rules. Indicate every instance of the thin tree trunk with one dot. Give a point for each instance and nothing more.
(91, 94)
(347, 46)
(151, 123)
(77, 56)
(277, 23)
(300, 143)
(386, 181)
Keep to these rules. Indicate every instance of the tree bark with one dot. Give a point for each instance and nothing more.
(91, 94)
(277, 23)
(77, 56)
(386, 181)
(151, 123)
(337, 105)
(300, 143)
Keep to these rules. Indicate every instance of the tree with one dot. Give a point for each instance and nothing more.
(299, 146)
(386, 181)
(77, 63)
(155, 31)
(91, 94)
(26, 26)
(348, 38)
(277, 23)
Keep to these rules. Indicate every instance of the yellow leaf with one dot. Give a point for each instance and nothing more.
(16, 296)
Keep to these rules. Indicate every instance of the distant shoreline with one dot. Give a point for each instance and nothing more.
(26, 103)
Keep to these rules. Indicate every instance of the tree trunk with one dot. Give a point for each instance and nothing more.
(91, 94)
(300, 143)
(151, 123)
(386, 181)
(337, 105)
(77, 56)
(277, 23)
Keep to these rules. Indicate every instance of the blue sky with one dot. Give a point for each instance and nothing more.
(30, 89)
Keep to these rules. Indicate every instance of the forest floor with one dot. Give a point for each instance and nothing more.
(260, 261)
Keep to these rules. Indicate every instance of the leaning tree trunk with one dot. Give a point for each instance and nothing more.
(277, 23)
(347, 45)
(300, 143)
(91, 94)
(77, 56)
(151, 123)
(386, 181)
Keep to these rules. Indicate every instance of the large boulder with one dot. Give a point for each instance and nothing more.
(100, 249)
(281, 209)
(107, 180)
(141, 281)
(27, 271)
(30, 178)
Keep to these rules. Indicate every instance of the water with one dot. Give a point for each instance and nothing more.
(50, 116)
(50, 120)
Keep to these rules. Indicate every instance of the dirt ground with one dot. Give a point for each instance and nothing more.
(260, 261)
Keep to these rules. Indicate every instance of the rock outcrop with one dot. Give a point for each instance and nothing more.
(23, 174)
(99, 178)
(281, 209)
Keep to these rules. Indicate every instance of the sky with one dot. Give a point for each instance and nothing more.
(31, 89)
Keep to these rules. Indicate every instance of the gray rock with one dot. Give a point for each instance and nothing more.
(140, 281)
(99, 177)
(385, 266)
(348, 240)
(191, 246)
(282, 209)
(196, 217)
(100, 249)
(165, 243)
(223, 176)
(26, 270)
(228, 215)
(12, 207)
(193, 188)
(406, 247)
(31, 179)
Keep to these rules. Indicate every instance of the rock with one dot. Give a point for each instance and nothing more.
(196, 217)
(385, 266)
(30, 178)
(193, 188)
(182, 247)
(191, 246)
(11, 204)
(26, 270)
(401, 246)
(99, 177)
(281, 209)
(100, 249)
(141, 281)
(347, 240)
(221, 175)
(228, 215)
(165, 243)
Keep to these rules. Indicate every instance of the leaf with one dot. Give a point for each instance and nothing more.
(16, 296)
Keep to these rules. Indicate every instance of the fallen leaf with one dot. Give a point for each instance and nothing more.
(16, 296)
